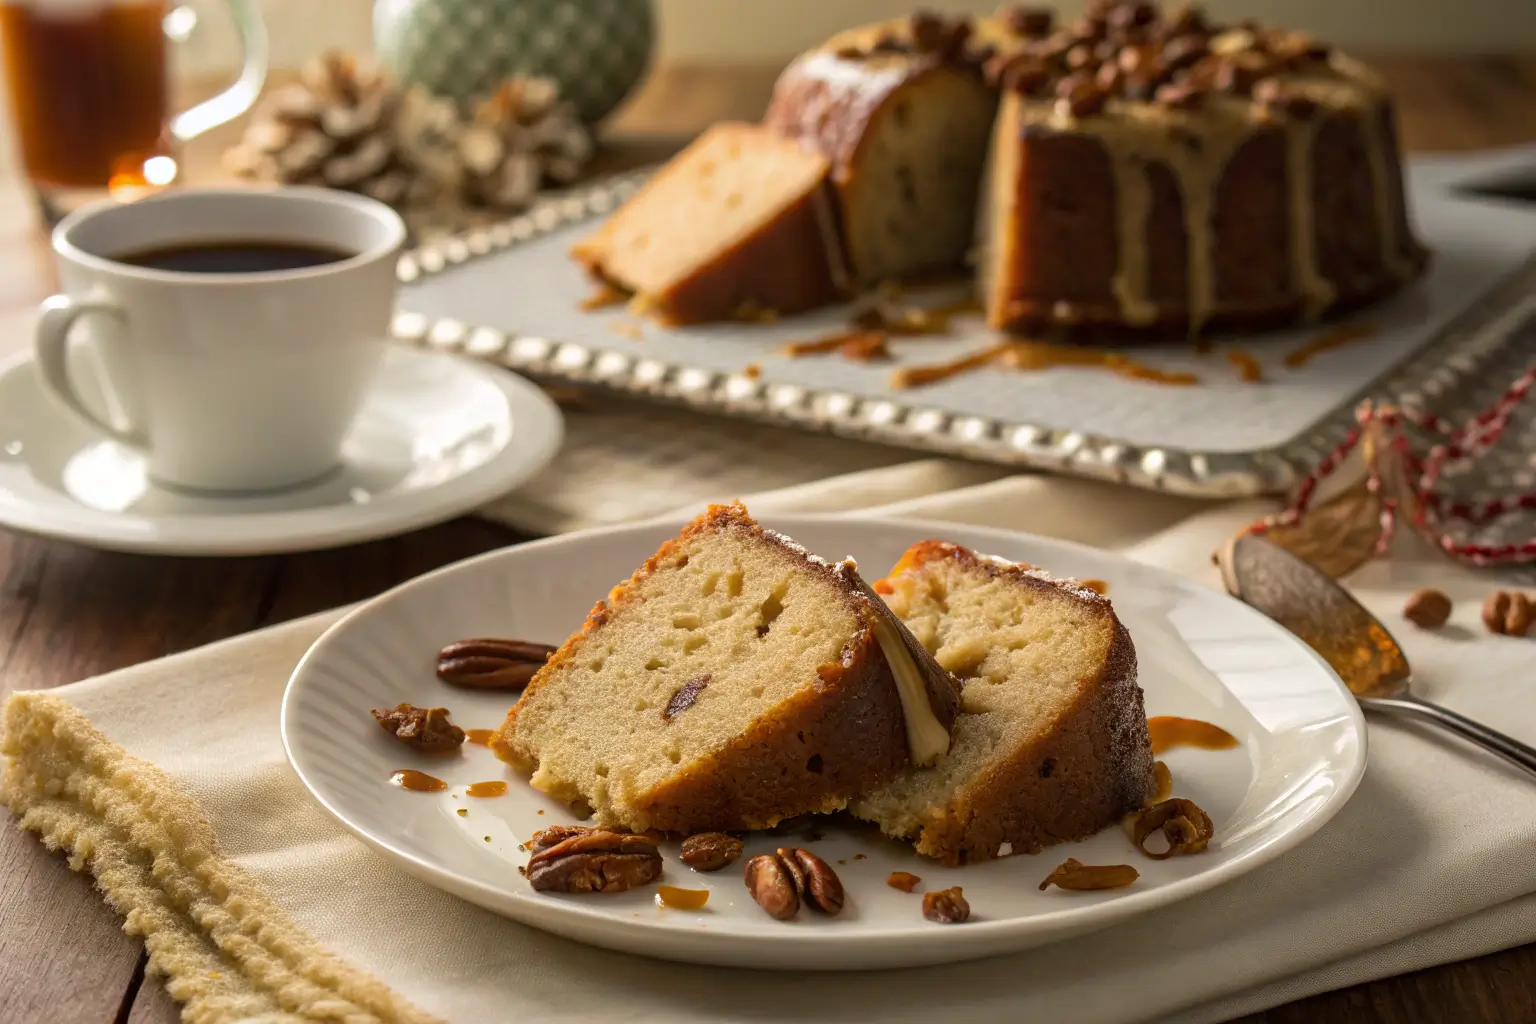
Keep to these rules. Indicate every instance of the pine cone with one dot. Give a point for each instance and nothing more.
(334, 127)
(346, 125)
(519, 136)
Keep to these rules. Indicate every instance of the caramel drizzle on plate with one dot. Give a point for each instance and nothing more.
(603, 296)
(417, 782)
(1170, 731)
(1337, 337)
(1248, 367)
(480, 736)
(1039, 355)
(495, 787)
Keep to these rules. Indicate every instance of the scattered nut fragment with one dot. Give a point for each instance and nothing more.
(1518, 620)
(946, 906)
(1495, 608)
(1427, 608)
(906, 881)
(596, 861)
(1507, 612)
(1079, 877)
(779, 881)
(426, 729)
(710, 851)
(488, 663)
(1187, 828)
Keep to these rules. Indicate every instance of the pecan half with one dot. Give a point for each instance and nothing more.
(946, 906)
(1508, 612)
(486, 663)
(781, 880)
(425, 729)
(1187, 828)
(597, 861)
(710, 851)
(544, 838)
(1077, 876)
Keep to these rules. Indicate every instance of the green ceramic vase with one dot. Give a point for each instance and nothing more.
(598, 50)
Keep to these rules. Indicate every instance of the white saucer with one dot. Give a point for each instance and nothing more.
(440, 435)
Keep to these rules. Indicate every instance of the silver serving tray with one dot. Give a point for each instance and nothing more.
(509, 293)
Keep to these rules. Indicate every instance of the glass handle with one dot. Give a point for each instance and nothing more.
(237, 99)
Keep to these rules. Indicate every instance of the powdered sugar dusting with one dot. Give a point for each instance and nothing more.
(1070, 585)
(798, 548)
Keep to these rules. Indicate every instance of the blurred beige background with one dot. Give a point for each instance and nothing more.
(773, 30)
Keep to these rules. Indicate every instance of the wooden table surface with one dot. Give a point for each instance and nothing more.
(68, 612)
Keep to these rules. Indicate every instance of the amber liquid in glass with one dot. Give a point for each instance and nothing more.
(88, 88)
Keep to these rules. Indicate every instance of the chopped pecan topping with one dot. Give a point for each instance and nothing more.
(595, 861)
(1031, 22)
(426, 729)
(1077, 876)
(781, 880)
(1427, 608)
(1184, 51)
(1080, 96)
(487, 663)
(1275, 94)
(710, 851)
(1180, 97)
(906, 881)
(946, 906)
(1187, 828)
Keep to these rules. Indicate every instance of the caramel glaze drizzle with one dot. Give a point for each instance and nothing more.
(603, 296)
(1169, 731)
(1336, 337)
(1248, 368)
(860, 345)
(495, 787)
(1038, 355)
(681, 899)
(417, 782)
(480, 736)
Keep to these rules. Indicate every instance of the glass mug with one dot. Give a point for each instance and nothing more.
(89, 89)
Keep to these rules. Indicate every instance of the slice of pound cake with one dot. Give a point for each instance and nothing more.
(1051, 744)
(733, 681)
(739, 224)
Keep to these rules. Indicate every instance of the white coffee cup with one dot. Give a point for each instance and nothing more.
(225, 381)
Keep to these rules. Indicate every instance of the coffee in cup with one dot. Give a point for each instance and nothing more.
(236, 331)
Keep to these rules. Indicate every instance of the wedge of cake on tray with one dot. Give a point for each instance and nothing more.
(1133, 172)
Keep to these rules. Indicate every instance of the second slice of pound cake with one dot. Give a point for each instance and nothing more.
(1051, 744)
(733, 681)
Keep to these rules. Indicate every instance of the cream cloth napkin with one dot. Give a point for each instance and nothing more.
(168, 782)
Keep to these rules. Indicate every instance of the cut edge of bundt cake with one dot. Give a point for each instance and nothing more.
(906, 139)
(1051, 744)
(738, 224)
(732, 681)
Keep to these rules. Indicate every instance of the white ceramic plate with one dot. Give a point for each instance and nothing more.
(1202, 655)
(439, 435)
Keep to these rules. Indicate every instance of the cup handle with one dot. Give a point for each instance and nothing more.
(237, 99)
(59, 314)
